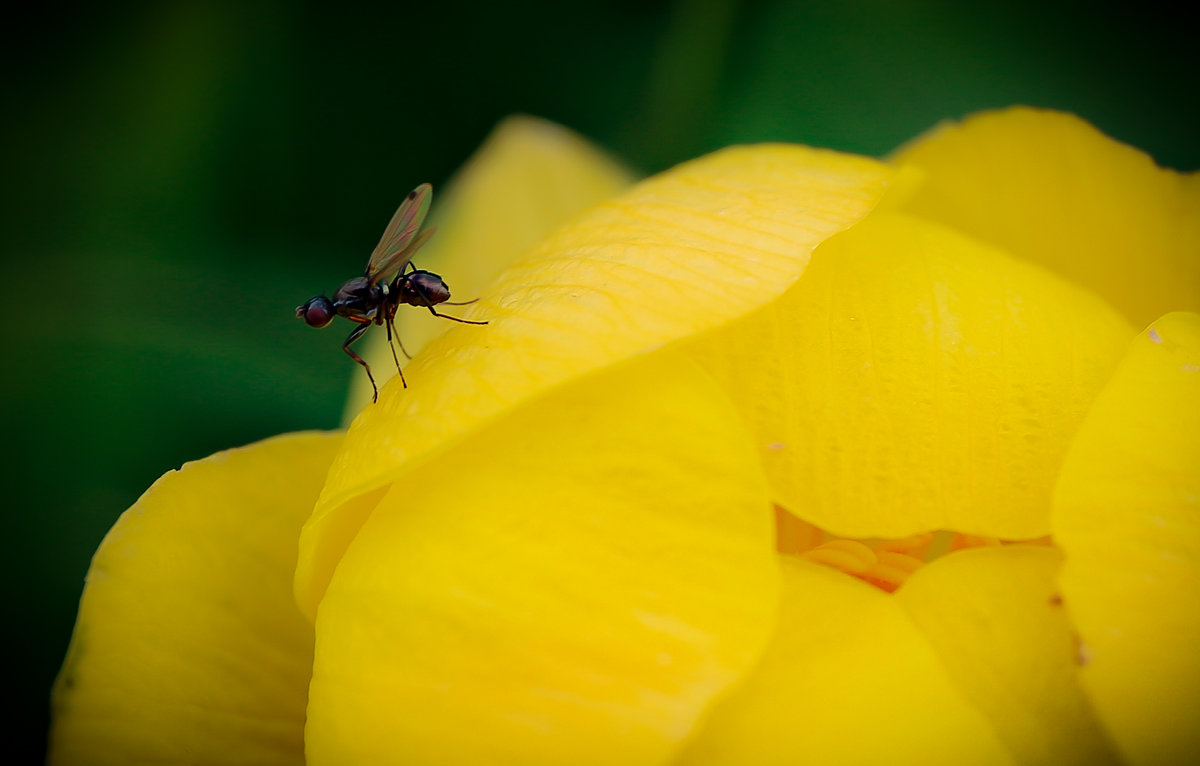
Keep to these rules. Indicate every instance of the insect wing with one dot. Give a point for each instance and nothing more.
(406, 255)
(399, 240)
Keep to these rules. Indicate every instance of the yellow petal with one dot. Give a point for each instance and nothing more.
(678, 254)
(996, 621)
(915, 380)
(572, 584)
(847, 679)
(1049, 187)
(189, 647)
(1127, 514)
(526, 180)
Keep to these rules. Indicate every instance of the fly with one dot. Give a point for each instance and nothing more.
(390, 279)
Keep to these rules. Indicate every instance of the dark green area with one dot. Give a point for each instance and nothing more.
(178, 176)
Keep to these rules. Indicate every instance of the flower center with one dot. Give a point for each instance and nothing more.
(886, 564)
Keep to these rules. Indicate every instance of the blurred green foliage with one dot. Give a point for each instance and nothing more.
(178, 176)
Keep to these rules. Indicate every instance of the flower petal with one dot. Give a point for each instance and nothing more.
(847, 679)
(573, 584)
(680, 253)
(189, 647)
(526, 180)
(1049, 187)
(1127, 514)
(994, 618)
(914, 379)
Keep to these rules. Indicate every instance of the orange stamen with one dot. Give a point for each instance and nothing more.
(886, 564)
(905, 544)
(850, 556)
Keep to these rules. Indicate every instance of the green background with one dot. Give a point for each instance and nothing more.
(179, 176)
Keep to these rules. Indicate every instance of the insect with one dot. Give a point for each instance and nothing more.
(389, 280)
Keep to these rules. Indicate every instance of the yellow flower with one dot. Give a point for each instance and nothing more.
(781, 456)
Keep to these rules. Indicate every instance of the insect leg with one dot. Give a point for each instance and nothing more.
(433, 311)
(354, 335)
(389, 321)
(447, 316)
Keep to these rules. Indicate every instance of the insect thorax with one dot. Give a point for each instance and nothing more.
(357, 296)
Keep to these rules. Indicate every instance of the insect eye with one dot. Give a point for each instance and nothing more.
(318, 312)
